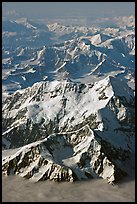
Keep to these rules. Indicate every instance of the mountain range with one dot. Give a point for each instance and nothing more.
(68, 100)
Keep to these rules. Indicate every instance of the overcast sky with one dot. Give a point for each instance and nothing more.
(57, 9)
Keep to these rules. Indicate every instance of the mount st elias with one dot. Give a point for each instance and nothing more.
(68, 110)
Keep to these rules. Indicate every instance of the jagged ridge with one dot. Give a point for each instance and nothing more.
(65, 157)
(93, 122)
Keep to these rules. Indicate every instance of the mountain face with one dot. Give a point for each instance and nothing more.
(65, 157)
(68, 103)
(69, 130)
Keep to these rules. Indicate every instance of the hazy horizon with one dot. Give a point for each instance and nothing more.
(35, 10)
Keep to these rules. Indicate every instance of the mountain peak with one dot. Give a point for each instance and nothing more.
(25, 22)
(62, 127)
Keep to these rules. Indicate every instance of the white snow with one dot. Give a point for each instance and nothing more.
(61, 67)
(41, 52)
(24, 78)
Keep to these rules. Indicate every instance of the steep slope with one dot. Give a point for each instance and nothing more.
(61, 129)
(94, 123)
(64, 157)
(61, 105)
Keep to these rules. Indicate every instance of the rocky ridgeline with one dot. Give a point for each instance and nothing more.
(69, 131)
(65, 157)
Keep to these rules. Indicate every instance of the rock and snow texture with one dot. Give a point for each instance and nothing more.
(64, 157)
(72, 130)
(68, 112)
(46, 51)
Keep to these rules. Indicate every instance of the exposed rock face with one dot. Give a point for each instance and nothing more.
(71, 131)
(64, 157)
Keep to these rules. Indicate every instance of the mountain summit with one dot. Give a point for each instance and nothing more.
(68, 130)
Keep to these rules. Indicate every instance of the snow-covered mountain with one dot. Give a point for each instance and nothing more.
(67, 156)
(92, 123)
(79, 57)
(42, 52)
(68, 109)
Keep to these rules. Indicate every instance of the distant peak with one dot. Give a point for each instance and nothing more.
(21, 20)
